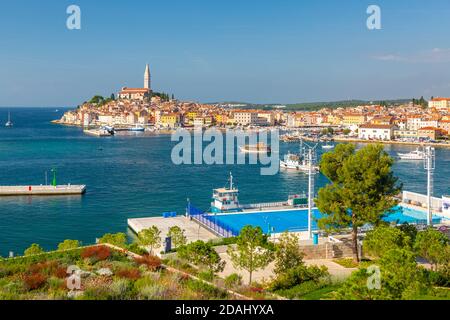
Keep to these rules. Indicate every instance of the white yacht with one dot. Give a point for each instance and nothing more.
(296, 162)
(257, 148)
(413, 155)
(9, 122)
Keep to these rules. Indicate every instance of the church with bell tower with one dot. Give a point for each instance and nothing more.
(144, 93)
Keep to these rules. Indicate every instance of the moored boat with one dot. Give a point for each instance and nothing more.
(296, 162)
(413, 155)
(256, 148)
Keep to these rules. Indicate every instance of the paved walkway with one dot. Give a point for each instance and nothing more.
(337, 271)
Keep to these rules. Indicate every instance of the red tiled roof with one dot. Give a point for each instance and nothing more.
(376, 126)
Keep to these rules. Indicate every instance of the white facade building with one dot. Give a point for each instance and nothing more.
(376, 132)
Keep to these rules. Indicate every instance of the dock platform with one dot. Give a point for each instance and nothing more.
(42, 190)
(193, 231)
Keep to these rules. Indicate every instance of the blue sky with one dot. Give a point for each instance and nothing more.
(254, 51)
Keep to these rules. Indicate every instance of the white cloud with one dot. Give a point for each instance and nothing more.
(435, 55)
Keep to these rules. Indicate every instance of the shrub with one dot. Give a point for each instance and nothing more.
(45, 267)
(433, 246)
(233, 280)
(68, 244)
(384, 238)
(97, 253)
(118, 239)
(202, 254)
(152, 292)
(298, 275)
(33, 250)
(34, 281)
(129, 273)
(135, 248)
(207, 275)
(152, 262)
(400, 278)
(121, 289)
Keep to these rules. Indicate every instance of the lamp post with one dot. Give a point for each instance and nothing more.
(429, 165)
(310, 157)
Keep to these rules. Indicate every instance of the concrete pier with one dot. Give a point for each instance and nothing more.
(193, 231)
(42, 190)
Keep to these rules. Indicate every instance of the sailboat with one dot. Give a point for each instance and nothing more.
(9, 122)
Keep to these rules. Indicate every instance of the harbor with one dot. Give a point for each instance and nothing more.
(128, 178)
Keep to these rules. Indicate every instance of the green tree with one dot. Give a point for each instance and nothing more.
(252, 251)
(68, 244)
(398, 275)
(96, 99)
(201, 253)
(362, 188)
(112, 97)
(410, 230)
(384, 238)
(118, 239)
(177, 235)
(33, 249)
(433, 246)
(287, 253)
(346, 132)
(150, 237)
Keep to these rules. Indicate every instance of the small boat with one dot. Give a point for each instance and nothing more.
(9, 122)
(256, 148)
(296, 162)
(137, 129)
(327, 146)
(413, 155)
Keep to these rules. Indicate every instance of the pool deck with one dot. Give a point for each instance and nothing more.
(193, 230)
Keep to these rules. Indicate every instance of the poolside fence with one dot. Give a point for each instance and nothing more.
(211, 223)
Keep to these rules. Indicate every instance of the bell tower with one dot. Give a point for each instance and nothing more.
(147, 78)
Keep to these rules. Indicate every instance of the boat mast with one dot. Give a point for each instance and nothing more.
(231, 181)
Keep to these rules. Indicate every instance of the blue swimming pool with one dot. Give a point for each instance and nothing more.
(297, 220)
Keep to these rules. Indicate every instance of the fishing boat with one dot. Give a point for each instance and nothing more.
(413, 155)
(296, 162)
(225, 200)
(9, 122)
(256, 148)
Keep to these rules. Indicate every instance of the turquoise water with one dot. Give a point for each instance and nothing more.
(297, 220)
(128, 176)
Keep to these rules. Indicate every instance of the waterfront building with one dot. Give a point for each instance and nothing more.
(432, 133)
(170, 120)
(353, 119)
(405, 134)
(439, 103)
(245, 118)
(444, 125)
(376, 132)
(267, 118)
